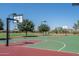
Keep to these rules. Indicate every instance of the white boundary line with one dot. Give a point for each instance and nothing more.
(64, 45)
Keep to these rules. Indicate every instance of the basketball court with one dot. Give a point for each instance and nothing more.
(42, 46)
(55, 45)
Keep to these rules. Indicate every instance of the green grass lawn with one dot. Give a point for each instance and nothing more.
(50, 42)
(3, 35)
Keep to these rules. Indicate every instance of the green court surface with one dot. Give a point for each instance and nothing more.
(59, 43)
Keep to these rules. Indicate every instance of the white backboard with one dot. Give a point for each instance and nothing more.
(19, 18)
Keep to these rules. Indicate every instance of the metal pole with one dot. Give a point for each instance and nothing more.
(7, 32)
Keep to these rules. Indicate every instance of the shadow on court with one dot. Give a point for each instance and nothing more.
(2, 38)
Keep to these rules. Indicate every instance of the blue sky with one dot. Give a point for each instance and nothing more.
(56, 15)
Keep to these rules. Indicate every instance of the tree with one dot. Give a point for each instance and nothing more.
(65, 31)
(76, 25)
(43, 28)
(76, 28)
(1, 25)
(26, 26)
(55, 31)
(58, 30)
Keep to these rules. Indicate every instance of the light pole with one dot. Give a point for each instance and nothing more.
(13, 17)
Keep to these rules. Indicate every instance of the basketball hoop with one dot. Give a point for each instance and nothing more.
(18, 18)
